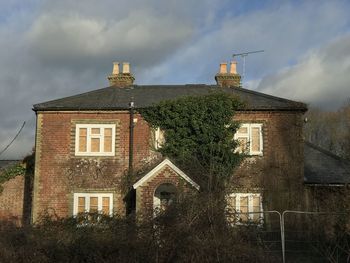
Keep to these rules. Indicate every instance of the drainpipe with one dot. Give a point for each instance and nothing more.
(131, 136)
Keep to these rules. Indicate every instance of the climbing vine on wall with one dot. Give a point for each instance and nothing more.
(11, 172)
(25, 167)
(199, 132)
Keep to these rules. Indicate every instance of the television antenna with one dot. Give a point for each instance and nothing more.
(243, 56)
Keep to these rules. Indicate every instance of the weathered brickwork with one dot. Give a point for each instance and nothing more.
(279, 171)
(59, 173)
(145, 193)
(11, 200)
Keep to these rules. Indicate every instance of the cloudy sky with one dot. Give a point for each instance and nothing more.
(53, 49)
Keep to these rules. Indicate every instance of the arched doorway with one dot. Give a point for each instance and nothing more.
(164, 195)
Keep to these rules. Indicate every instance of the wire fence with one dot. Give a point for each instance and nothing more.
(303, 236)
(315, 236)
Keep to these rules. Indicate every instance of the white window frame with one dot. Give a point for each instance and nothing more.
(248, 135)
(87, 202)
(250, 196)
(89, 136)
(157, 133)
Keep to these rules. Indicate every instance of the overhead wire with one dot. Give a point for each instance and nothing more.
(13, 139)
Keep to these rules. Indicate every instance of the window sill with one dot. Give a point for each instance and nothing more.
(249, 223)
(95, 154)
(255, 155)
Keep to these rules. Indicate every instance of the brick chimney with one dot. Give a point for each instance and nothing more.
(225, 79)
(123, 78)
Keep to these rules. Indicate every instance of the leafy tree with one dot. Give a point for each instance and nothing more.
(330, 129)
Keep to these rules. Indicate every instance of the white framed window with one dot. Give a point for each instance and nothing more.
(249, 136)
(159, 138)
(247, 207)
(93, 203)
(95, 140)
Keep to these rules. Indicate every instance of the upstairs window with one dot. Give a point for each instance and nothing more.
(159, 138)
(250, 139)
(95, 140)
(101, 203)
(247, 207)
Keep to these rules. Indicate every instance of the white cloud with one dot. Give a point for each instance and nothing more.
(322, 77)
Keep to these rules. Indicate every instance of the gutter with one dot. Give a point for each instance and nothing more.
(36, 109)
(327, 185)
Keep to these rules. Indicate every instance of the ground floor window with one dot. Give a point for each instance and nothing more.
(245, 207)
(93, 203)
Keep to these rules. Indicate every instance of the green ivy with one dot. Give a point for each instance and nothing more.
(11, 172)
(199, 133)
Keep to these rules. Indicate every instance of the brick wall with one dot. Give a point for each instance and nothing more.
(11, 200)
(59, 173)
(146, 191)
(278, 173)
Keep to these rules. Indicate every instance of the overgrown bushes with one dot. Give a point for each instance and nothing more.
(188, 231)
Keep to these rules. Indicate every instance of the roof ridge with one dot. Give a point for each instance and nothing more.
(69, 97)
(110, 98)
(172, 85)
(238, 88)
(270, 96)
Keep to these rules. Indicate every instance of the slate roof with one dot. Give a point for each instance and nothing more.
(114, 98)
(323, 167)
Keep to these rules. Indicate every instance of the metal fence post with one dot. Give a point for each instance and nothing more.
(283, 238)
(281, 223)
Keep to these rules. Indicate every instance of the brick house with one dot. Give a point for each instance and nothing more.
(86, 146)
(83, 147)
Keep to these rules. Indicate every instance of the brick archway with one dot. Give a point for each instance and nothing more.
(164, 174)
(164, 195)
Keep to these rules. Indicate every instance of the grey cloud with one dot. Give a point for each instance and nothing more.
(183, 10)
(21, 147)
(53, 49)
(139, 37)
(321, 77)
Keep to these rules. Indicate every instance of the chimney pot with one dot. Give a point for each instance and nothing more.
(223, 67)
(115, 68)
(225, 79)
(126, 67)
(233, 67)
(121, 79)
